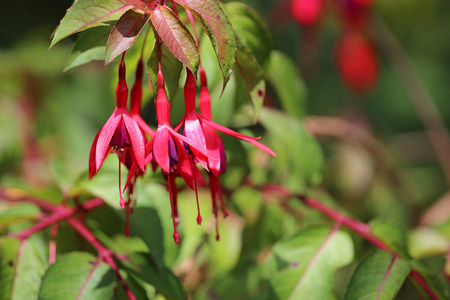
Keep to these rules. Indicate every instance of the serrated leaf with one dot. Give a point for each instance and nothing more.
(251, 31)
(219, 30)
(90, 46)
(77, 275)
(299, 160)
(124, 34)
(253, 76)
(21, 268)
(170, 66)
(378, 276)
(305, 264)
(283, 75)
(176, 37)
(166, 283)
(84, 14)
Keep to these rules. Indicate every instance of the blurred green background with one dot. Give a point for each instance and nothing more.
(48, 120)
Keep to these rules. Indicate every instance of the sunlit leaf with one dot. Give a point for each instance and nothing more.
(251, 30)
(176, 37)
(391, 235)
(378, 276)
(124, 34)
(253, 76)
(77, 275)
(171, 68)
(219, 30)
(90, 45)
(21, 268)
(84, 14)
(304, 266)
(283, 75)
(299, 161)
(433, 278)
(166, 283)
(18, 213)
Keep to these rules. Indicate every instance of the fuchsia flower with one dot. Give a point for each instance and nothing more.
(203, 129)
(167, 149)
(120, 133)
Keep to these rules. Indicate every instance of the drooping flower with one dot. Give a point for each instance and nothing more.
(306, 12)
(356, 60)
(167, 149)
(217, 159)
(120, 135)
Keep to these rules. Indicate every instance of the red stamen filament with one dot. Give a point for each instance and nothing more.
(176, 236)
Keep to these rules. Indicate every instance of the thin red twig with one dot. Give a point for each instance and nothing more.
(103, 252)
(358, 227)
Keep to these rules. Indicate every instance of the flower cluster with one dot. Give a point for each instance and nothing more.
(355, 54)
(176, 151)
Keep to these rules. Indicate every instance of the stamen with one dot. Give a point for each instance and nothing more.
(122, 201)
(176, 236)
(222, 205)
(199, 216)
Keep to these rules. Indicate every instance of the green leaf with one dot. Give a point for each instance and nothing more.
(176, 37)
(299, 161)
(378, 276)
(433, 278)
(166, 283)
(251, 31)
(84, 14)
(304, 266)
(253, 76)
(17, 213)
(124, 34)
(283, 75)
(219, 30)
(171, 68)
(21, 268)
(78, 275)
(391, 235)
(90, 45)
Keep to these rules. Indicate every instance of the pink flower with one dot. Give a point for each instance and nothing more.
(120, 133)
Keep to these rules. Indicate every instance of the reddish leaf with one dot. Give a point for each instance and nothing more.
(176, 37)
(85, 14)
(218, 28)
(124, 34)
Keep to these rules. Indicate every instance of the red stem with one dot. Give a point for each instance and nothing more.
(359, 228)
(103, 252)
(59, 213)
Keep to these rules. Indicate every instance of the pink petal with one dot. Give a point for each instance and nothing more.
(260, 146)
(161, 148)
(199, 152)
(184, 166)
(193, 129)
(104, 138)
(92, 168)
(225, 129)
(213, 149)
(137, 141)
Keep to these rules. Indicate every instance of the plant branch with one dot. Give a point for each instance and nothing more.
(357, 227)
(104, 253)
(59, 213)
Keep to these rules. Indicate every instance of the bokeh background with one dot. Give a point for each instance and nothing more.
(384, 151)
